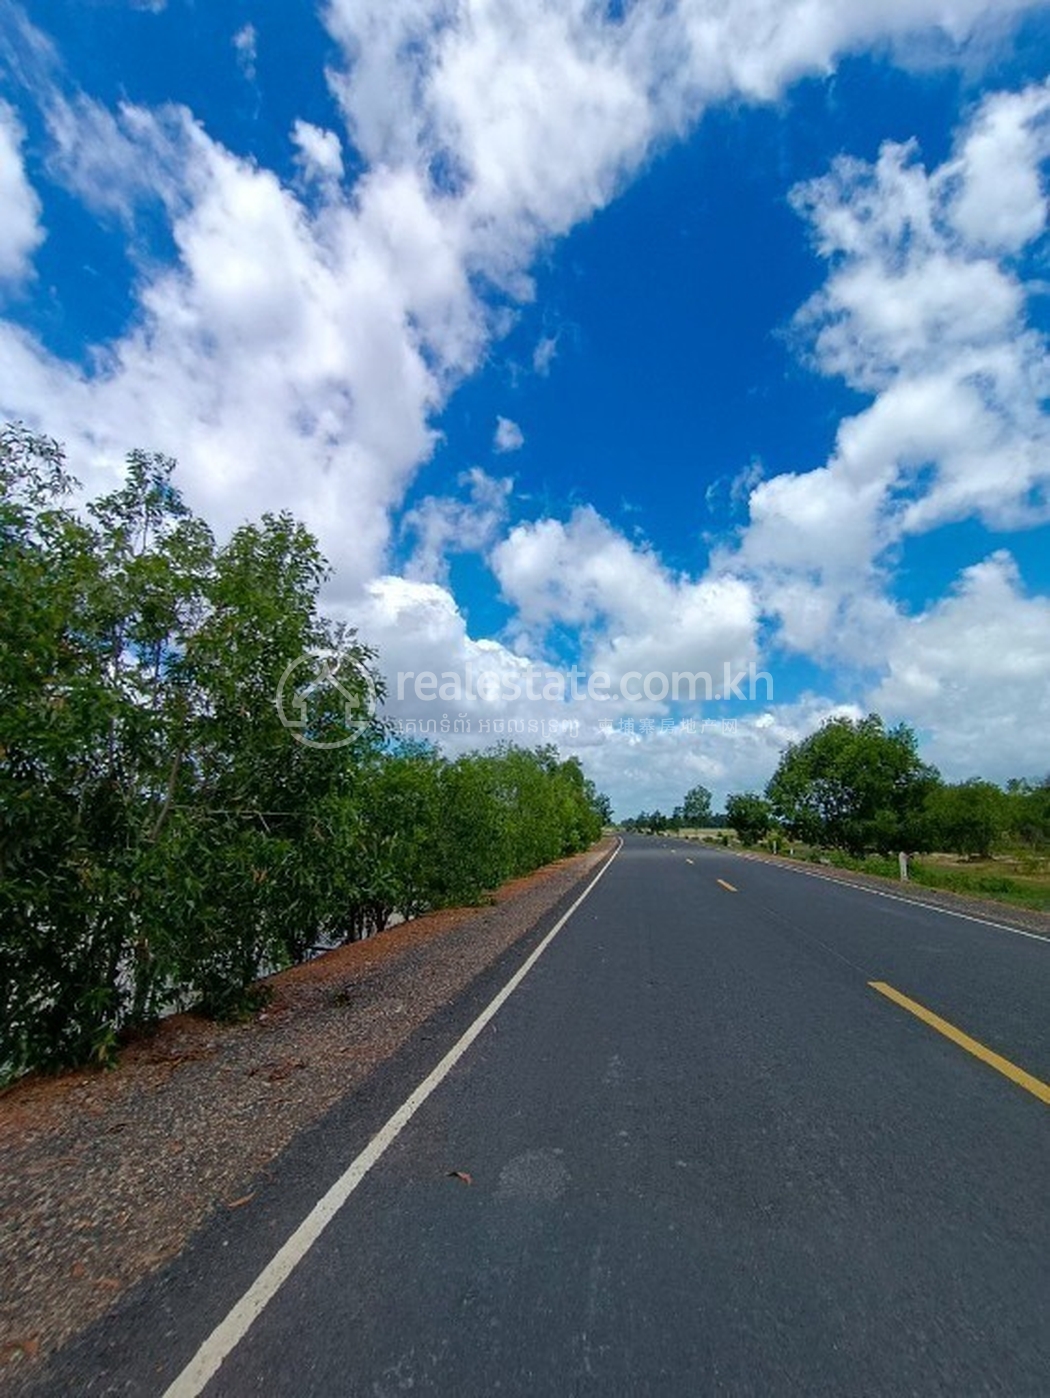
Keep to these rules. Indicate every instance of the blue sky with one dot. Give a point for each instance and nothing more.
(666, 341)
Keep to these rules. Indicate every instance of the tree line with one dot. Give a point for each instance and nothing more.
(692, 812)
(856, 785)
(164, 837)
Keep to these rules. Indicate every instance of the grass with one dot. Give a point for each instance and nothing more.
(1018, 879)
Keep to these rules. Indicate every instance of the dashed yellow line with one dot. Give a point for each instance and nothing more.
(986, 1055)
(727, 886)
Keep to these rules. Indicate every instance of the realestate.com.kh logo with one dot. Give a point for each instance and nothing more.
(305, 705)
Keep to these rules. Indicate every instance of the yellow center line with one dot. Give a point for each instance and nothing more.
(727, 886)
(986, 1055)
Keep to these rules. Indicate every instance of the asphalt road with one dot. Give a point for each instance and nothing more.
(705, 1156)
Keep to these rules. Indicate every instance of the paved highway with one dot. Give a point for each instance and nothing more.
(739, 1130)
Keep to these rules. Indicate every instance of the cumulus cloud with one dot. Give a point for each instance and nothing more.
(295, 351)
(635, 613)
(20, 232)
(508, 436)
(442, 525)
(320, 152)
(641, 753)
(974, 671)
(925, 309)
(328, 333)
(997, 200)
(283, 357)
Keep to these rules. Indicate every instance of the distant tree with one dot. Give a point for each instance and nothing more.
(750, 815)
(696, 807)
(601, 804)
(1028, 810)
(968, 818)
(854, 785)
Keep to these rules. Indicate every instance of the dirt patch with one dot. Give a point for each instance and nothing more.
(104, 1176)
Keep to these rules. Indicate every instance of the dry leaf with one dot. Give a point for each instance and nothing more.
(29, 1348)
(460, 1175)
(239, 1203)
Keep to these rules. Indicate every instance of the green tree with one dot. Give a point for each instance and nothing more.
(696, 807)
(193, 787)
(968, 818)
(854, 785)
(750, 815)
(1028, 810)
(600, 803)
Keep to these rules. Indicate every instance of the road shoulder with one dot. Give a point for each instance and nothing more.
(982, 909)
(104, 1177)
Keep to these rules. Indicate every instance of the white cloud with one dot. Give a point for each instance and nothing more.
(508, 436)
(281, 357)
(295, 352)
(115, 162)
(544, 354)
(320, 152)
(1000, 203)
(418, 628)
(21, 232)
(442, 525)
(635, 614)
(974, 672)
(246, 47)
(329, 335)
(920, 309)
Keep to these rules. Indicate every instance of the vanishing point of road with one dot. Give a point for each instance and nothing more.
(738, 1130)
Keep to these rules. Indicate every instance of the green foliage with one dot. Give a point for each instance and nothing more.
(854, 785)
(750, 815)
(164, 839)
(695, 809)
(968, 818)
(1028, 812)
(651, 822)
(928, 873)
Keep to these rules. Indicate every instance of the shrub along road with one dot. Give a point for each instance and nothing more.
(738, 1131)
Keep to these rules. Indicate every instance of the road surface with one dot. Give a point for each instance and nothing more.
(739, 1130)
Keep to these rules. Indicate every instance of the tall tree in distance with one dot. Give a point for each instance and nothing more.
(854, 785)
(695, 809)
(750, 816)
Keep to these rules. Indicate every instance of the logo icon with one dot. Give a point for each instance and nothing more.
(314, 703)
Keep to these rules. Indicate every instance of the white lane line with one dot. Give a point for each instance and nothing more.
(895, 897)
(229, 1332)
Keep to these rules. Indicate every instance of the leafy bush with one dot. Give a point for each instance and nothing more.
(163, 838)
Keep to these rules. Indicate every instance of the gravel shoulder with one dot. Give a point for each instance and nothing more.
(104, 1176)
(987, 909)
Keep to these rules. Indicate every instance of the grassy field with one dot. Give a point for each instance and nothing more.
(1017, 878)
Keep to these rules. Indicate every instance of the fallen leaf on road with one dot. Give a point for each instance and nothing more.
(29, 1348)
(460, 1175)
(239, 1203)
